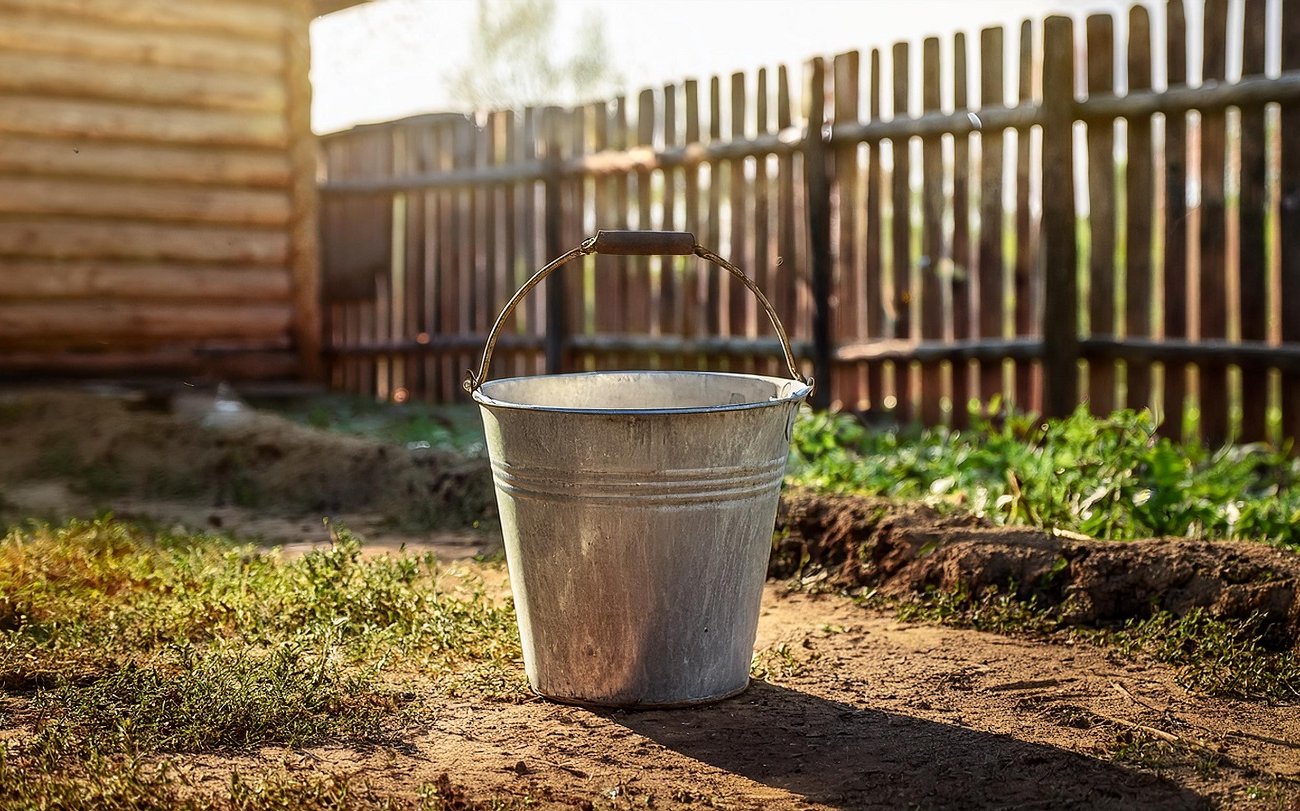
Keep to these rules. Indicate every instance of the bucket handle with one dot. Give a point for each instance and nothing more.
(632, 243)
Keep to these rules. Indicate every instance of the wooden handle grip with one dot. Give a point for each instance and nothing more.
(644, 243)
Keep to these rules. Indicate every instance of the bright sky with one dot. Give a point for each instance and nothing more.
(390, 58)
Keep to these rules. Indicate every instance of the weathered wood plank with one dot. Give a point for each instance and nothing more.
(1061, 281)
(1289, 220)
(1175, 207)
(961, 261)
(642, 306)
(255, 20)
(448, 264)
(1252, 248)
(110, 200)
(670, 290)
(206, 88)
(59, 239)
(620, 217)
(71, 322)
(52, 117)
(255, 362)
(1101, 210)
(991, 281)
(1027, 387)
(738, 312)
(787, 263)
(575, 206)
(26, 30)
(609, 285)
(764, 248)
(34, 279)
(156, 163)
(873, 264)
(901, 227)
(462, 236)
(933, 281)
(817, 189)
(514, 274)
(847, 305)
(1212, 302)
(712, 237)
(1140, 206)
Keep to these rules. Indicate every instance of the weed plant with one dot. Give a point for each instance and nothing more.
(1108, 477)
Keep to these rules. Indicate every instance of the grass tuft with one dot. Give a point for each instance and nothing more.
(1213, 656)
(217, 699)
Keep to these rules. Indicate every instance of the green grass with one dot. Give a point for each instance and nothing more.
(1110, 477)
(123, 642)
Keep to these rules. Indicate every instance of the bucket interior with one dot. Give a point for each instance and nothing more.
(640, 391)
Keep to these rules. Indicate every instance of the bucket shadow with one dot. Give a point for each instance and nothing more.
(855, 757)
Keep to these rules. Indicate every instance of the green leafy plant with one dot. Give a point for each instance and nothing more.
(1108, 477)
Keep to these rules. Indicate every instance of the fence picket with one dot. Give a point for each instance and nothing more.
(901, 195)
(713, 230)
(1027, 377)
(1140, 198)
(961, 263)
(692, 314)
(786, 284)
(641, 291)
(1212, 305)
(575, 222)
(1252, 263)
(762, 257)
(736, 307)
(670, 298)
(873, 261)
(1176, 236)
(1101, 211)
(991, 281)
(931, 269)
(847, 303)
(1061, 277)
(1289, 218)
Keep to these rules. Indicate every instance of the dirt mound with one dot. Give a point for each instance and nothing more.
(106, 446)
(908, 550)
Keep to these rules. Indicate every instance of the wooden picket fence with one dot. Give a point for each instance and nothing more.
(921, 257)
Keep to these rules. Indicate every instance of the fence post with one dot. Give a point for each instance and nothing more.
(1060, 271)
(552, 177)
(1289, 226)
(817, 180)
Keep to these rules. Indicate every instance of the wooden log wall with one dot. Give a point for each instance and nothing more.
(1096, 210)
(157, 189)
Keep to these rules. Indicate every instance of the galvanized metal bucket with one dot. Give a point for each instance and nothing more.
(637, 509)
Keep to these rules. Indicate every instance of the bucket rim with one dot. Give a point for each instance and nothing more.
(800, 391)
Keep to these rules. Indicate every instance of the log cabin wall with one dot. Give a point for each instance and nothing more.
(157, 189)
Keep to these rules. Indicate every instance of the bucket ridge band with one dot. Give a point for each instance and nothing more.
(680, 486)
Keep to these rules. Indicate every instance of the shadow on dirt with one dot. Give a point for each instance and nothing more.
(856, 757)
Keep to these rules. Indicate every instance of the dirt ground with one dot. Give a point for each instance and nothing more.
(867, 712)
(857, 710)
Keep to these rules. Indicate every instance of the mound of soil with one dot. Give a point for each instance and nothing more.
(111, 446)
(908, 550)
